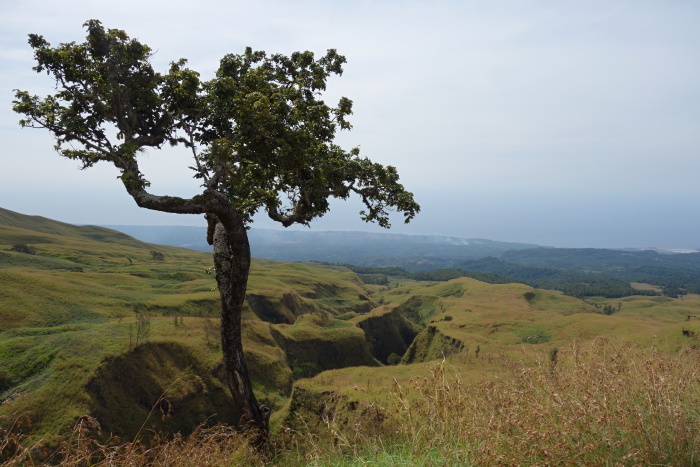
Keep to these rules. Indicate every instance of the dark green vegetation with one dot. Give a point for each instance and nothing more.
(73, 308)
(589, 271)
(576, 272)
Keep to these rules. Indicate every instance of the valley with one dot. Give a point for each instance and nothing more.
(94, 323)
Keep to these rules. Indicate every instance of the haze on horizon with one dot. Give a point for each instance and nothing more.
(556, 123)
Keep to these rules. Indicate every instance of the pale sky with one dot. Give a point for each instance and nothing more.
(551, 122)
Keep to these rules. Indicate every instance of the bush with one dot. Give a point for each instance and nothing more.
(157, 256)
(393, 359)
(305, 370)
(608, 309)
(22, 248)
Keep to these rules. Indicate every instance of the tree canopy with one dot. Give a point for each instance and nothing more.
(260, 133)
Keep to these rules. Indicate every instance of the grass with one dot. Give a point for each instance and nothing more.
(67, 312)
(602, 403)
(513, 389)
(643, 286)
(464, 314)
(321, 342)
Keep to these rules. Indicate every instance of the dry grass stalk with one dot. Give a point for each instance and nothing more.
(598, 405)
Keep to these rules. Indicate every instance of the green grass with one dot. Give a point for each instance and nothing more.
(67, 316)
(67, 343)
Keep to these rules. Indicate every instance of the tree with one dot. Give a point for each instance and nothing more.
(23, 248)
(261, 137)
(157, 256)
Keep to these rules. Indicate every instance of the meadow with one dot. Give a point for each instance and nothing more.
(110, 353)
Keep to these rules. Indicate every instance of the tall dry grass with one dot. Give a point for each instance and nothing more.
(213, 446)
(599, 404)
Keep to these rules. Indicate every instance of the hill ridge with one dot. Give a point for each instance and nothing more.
(45, 225)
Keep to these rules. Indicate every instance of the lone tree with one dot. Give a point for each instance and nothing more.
(260, 135)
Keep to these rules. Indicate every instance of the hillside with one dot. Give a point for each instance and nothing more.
(75, 311)
(563, 268)
(37, 224)
(127, 332)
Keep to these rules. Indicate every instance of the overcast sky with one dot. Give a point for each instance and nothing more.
(551, 122)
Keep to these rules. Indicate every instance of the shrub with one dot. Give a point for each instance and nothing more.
(305, 370)
(393, 359)
(157, 256)
(22, 248)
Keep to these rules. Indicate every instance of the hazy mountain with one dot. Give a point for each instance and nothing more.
(416, 252)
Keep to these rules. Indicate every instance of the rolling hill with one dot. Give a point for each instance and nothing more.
(92, 322)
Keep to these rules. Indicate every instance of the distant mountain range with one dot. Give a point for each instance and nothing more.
(414, 252)
(575, 271)
(579, 272)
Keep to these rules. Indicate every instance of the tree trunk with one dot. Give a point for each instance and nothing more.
(232, 264)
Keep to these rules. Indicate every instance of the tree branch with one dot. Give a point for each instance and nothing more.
(208, 202)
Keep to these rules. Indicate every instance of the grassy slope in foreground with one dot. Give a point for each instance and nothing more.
(69, 327)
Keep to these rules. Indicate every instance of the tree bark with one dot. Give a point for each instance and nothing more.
(228, 235)
(229, 238)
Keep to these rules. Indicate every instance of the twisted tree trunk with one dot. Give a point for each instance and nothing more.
(229, 237)
(226, 232)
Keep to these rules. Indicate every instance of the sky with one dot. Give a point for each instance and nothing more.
(560, 123)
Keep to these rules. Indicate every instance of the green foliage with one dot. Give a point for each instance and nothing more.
(156, 256)
(143, 327)
(574, 283)
(377, 279)
(260, 133)
(576, 272)
(675, 272)
(305, 370)
(393, 359)
(609, 309)
(22, 248)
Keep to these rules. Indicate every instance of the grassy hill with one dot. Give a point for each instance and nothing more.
(38, 224)
(72, 301)
(95, 324)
